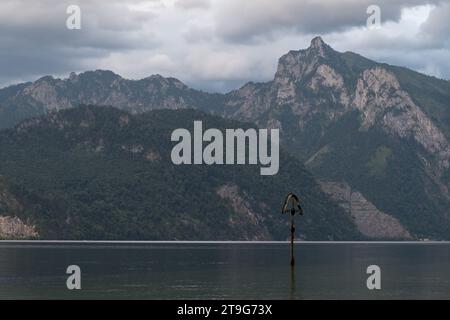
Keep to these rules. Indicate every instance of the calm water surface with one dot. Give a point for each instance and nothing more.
(224, 271)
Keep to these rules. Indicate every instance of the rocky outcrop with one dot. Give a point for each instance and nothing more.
(380, 100)
(12, 228)
(370, 221)
(45, 92)
(240, 203)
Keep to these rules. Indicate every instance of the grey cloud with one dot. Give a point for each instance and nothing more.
(193, 4)
(213, 45)
(34, 39)
(196, 33)
(436, 28)
(241, 21)
(435, 63)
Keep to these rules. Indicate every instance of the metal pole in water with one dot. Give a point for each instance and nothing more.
(292, 205)
(292, 295)
(292, 237)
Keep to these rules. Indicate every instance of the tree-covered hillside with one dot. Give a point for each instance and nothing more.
(101, 173)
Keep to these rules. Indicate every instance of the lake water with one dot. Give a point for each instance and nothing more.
(224, 270)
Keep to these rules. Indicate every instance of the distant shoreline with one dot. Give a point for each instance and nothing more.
(209, 242)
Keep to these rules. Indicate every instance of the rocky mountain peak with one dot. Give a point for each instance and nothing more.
(295, 65)
(45, 79)
(73, 76)
(319, 46)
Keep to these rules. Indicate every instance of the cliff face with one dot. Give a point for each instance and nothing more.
(370, 221)
(11, 226)
(316, 83)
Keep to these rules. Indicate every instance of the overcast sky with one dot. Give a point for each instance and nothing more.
(215, 45)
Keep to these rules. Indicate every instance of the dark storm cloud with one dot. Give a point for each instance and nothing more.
(242, 21)
(212, 44)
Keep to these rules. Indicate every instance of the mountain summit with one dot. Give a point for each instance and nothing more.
(372, 133)
(319, 46)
